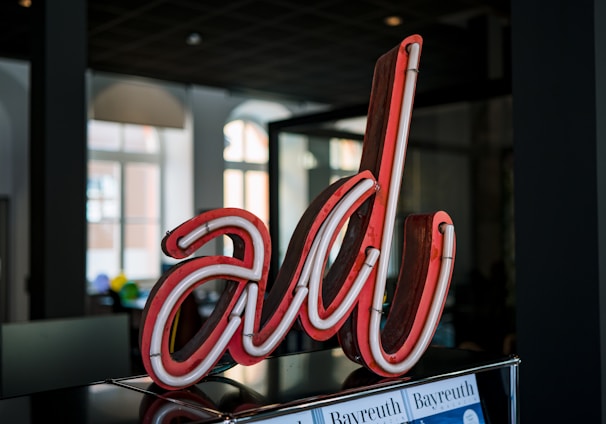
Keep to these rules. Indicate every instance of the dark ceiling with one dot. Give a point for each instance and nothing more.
(315, 50)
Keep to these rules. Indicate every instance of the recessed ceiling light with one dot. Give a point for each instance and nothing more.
(193, 39)
(393, 20)
(25, 3)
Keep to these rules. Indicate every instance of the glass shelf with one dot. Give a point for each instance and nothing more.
(320, 387)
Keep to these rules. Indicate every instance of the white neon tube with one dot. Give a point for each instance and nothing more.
(250, 274)
(230, 221)
(313, 265)
(390, 214)
(352, 295)
(394, 190)
(277, 335)
(432, 317)
(323, 239)
(164, 312)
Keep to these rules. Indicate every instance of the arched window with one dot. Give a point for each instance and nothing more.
(139, 162)
(131, 177)
(245, 180)
(123, 205)
(246, 152)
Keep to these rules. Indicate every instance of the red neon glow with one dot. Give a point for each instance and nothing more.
(347, 300)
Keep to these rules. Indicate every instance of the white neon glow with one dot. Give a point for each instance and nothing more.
(396, 177)
(390, 210)
(371, 258)
(164, 313)
(164, 414)
(386, 240)
(430, 323)
(191, 279)
(312, 268)
(320, 251)
(230, 221)
(277, 335)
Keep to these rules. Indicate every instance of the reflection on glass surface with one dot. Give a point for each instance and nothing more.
(290, 377)
(292, 384)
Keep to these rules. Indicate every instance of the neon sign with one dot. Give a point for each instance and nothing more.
(346, 300)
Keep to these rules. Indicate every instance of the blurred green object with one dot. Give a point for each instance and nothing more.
(129, 291)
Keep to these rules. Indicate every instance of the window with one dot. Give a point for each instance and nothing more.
(308, 163)
(245, 180)
(123, 201)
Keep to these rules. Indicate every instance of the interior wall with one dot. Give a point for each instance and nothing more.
(560, 193)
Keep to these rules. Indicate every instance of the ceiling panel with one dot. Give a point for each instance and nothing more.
(320, 50)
